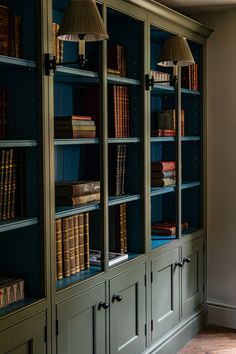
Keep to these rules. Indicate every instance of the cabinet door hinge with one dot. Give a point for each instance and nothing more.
(151, 325)
(151, 277)
(57, 330)
(45, 334)
(145, 329)
(145, 280)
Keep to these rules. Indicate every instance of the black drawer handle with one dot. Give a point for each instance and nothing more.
(117, 298)
(102, 305)
(179, 264)
(186, 260)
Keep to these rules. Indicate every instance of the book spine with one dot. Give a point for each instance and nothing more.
(81, 241)
(76, 235)
(13, 196)
(123, 168)
(59, 254)
(86, 240)
(10, 186)
(122, 249)
(118, 170)
(125, 227)
(74, 201)
(4, 30)
(66, 254)
(5, 185)
(71, 245)
(3, 153)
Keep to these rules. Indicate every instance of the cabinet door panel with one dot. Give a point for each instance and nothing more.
(81, 326)
(127, 317)
(25, 338)
(192, 277)
(165, 293)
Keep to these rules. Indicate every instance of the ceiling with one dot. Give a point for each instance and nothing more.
(189, 6)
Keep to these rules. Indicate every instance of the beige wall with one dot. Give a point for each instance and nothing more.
(221, 166)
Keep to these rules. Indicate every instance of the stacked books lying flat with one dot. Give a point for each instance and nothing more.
(114, 258)
(161, 76)
(3, 113)
(72, 245)
(166, 123)
(76, 193)
(74, 127)
(162, 173)
(166, 228)
(11, 290)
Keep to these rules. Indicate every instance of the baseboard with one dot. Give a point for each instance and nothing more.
(175, 339)
(221, 314)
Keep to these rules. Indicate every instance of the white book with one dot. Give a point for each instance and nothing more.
(114, 258)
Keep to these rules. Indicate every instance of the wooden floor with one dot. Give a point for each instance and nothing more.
(213, 340)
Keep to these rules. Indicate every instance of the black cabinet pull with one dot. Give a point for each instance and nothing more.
(117, 298)
(179, 264)
(102, 305)
(187, 260)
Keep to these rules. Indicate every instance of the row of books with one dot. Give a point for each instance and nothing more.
(163, 173)
(166, 123)
(119, 163)
(73, 193)
(189, 77)
(57, 44)
(72, 245)
(166, 228)
(11, 290)
(74, 127)
(121, 111)
(161, 77)
(10, 33)
(3, 114)
(12, 183)
(117, 60)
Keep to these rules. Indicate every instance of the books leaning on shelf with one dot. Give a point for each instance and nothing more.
(72, 245)
(189, 77)
(3, 114)
(74, 127)
(123, 228)
(57, 44)
(166, 228)
(163, 173)
(73, 193)
(161, 76)
(121, 111)
(166, 123)
(117, 60)
(120, 170)
(114, 258)
(10, 33)
(11, 290)
(12, 183)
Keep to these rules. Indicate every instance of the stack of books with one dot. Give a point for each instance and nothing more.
(72, 245)
(114, 258)
(166, 228)
(161, 76)
(162, 173)
(74, 193)
(11, 290)
(117, 60)
(121, 111)
(166, 123)
(74, 127)
(189, 77)
(3, 114)
(12, 183)
(10, 33)
(57, 44)
(118, 183)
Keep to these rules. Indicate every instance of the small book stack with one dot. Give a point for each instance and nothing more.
(77, 193)
(120, 169)
(123, 228)
(189, 77)
(166, 123)
(57, 44)
(117, 60)
(166, 228)
(3, 114)
(161, 76)
(11, 290)
(121, 111)
(114, 258)
(10, 33)
(12, 183)
(162, 173)
(72, 245)
(74, 127)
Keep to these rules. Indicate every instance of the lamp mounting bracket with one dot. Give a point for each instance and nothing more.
(149, 81)
(51, 63)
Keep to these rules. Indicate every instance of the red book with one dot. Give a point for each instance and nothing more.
(163, 166)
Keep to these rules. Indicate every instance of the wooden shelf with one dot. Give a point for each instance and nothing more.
(62, 212)
(17, 223)
(17, 143)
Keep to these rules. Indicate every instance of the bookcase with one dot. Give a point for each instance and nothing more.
(97, 126)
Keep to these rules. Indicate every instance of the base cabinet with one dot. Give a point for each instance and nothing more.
(127, 312)
(27, 337)
(81, 323)
(165, 293)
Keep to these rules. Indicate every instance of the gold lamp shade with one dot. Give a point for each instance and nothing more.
(176, 51)
(82, 20)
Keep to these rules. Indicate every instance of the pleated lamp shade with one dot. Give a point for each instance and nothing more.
(176, 51)
(82, 18)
